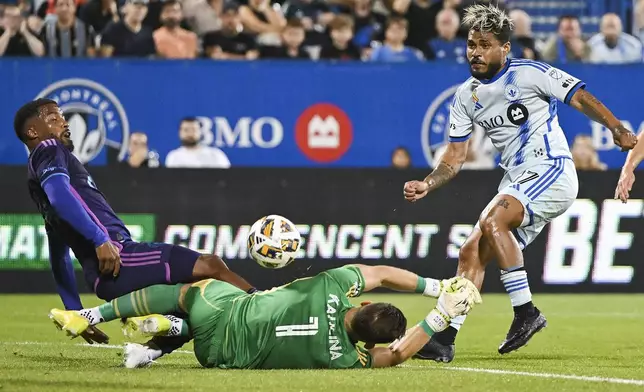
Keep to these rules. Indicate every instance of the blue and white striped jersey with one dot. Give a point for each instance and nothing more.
(518, 111)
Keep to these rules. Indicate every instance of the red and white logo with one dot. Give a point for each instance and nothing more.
(323, 132)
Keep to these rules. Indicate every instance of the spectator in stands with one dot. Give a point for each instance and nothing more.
(66, 35)
(393, 49)
(171, 40)
(568, 45)
(584, 154)
(523, 43)
(639, 20)
(230, 42)
(400, 158)
(16, 39)
(456, 5)
(139, 155)
(447, 46)
(341, 47)
(420, 18)
(203, 16)
(368, 26)
(292, 36)
(259, 18)
(99, 13)
(192, 154)
(315, 16)
(612, 45)
(129, 37)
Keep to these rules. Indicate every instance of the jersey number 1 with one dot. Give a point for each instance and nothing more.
(298, 329)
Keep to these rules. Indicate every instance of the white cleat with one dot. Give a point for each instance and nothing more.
(136, 356)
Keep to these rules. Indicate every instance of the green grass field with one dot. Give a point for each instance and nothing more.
(592, 343)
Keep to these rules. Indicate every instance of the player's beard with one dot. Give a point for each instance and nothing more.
(492, 69)
(67, 142)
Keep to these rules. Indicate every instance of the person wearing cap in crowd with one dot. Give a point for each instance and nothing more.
(230, 42)
(129, 37)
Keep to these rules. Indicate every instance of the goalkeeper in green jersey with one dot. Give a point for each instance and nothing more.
(306, 324)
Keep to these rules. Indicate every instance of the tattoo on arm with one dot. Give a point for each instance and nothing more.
(441, 175)
(595, 110)
(503, 203)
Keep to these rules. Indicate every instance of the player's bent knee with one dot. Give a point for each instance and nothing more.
(209, 266)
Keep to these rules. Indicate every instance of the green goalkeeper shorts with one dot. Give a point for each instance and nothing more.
(208, 304)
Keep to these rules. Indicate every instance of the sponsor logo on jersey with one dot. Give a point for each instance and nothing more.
(517, 114)
(567, 82)
(324, 133)
(512, 92)
(96, 116)
(492, 122)
(435, 127)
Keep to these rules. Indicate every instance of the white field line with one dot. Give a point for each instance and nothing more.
(593, 379)
(608, 380)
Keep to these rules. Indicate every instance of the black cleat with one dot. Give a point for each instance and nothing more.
(436, 352)
(521, 331)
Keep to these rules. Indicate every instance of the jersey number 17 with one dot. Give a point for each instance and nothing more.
(310, 329)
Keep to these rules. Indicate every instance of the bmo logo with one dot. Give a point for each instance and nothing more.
(245, 132)
(323, 132)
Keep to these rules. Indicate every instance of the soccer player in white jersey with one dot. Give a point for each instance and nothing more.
(515, 101)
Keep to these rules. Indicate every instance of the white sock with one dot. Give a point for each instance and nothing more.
(457, 322)
(516, 284)
(93, 315)
(154, 353)
(177, 325)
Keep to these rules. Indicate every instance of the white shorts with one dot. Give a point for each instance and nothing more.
(546, 190)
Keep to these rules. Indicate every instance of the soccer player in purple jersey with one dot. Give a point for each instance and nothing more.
(77, 216)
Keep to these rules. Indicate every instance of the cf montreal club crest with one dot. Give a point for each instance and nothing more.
(435, 128)
(96, 117)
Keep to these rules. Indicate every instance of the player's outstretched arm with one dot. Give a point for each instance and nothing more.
(63, 271)
(450, 164)
(627, 176)
(453, 302)
(592, 107)
(402, 280)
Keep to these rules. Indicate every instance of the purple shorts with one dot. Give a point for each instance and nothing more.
(145, 264)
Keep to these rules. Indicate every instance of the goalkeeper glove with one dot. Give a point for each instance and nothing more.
(455, 300)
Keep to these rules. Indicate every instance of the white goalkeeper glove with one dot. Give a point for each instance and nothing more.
(455, 300)
(434, 287)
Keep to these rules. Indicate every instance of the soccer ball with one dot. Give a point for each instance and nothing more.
(273, 241)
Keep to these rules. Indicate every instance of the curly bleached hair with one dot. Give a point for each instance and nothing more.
(489, 19)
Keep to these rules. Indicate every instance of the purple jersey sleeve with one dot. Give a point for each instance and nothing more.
(63, 271)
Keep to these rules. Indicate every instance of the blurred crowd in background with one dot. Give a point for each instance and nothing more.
(367, 30)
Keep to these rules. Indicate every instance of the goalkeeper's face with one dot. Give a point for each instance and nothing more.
(378, 323)
(486, 54)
